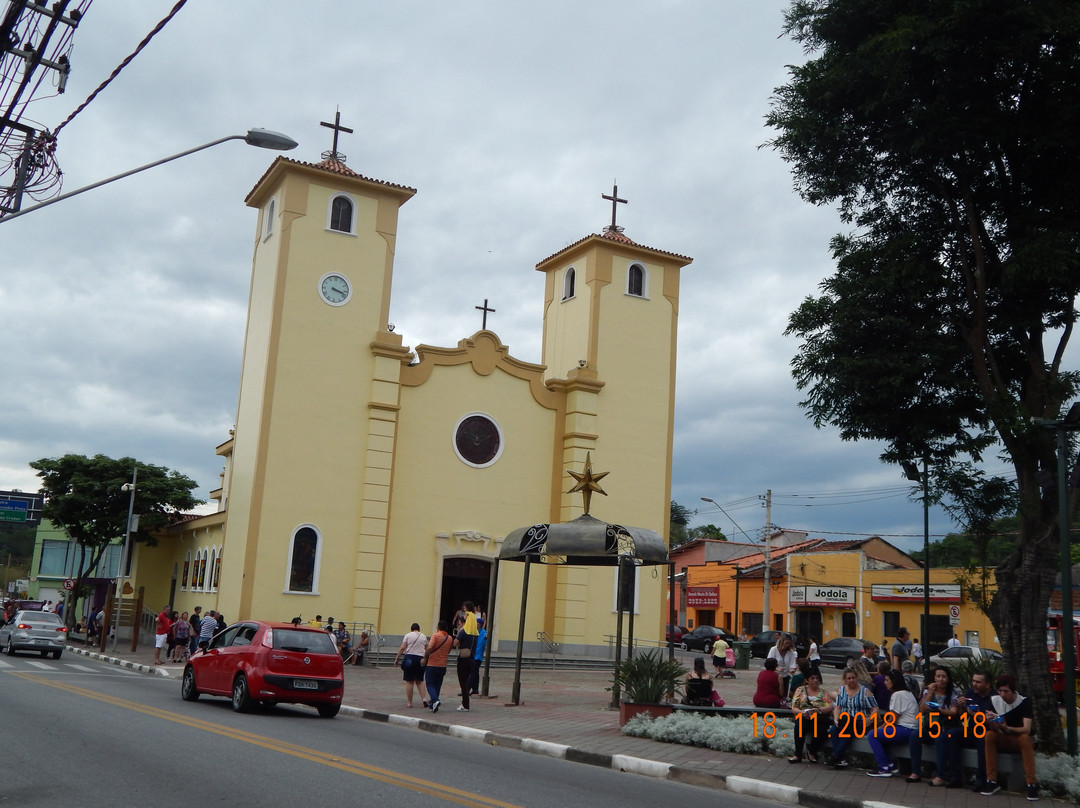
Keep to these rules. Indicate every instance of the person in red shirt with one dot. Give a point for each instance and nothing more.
(161, 633)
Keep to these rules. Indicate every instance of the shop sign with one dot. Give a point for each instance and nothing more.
(835, 596)
(702, 597)
(939, 593)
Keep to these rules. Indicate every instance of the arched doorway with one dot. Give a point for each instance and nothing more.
(464, 579)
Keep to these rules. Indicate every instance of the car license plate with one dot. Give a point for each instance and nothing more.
(305, 684)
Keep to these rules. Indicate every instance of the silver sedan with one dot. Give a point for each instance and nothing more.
(43, 632)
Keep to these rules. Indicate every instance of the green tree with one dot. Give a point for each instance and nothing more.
(84, 496)
(706, 532)
(680, 518)
(944, 131)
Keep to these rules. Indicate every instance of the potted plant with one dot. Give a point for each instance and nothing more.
(646, 681)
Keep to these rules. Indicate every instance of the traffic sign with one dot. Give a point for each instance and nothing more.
(69, 584)
(12, 511)
(954, 614)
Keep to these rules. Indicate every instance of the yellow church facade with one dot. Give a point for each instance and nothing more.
(374, 483)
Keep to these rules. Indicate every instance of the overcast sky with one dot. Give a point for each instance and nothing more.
(122, 311)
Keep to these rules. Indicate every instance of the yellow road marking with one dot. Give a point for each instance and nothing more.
(344, 764)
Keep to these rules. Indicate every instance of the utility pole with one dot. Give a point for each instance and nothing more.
(768, 562)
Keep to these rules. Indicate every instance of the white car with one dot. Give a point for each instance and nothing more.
(960, 653)
(43, 632)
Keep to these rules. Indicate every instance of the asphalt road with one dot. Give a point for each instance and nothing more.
(83, 733)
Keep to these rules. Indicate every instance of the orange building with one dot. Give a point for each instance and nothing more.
(865, 588)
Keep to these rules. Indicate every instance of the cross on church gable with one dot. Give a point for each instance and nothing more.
(334, 154)
(484, 309)
(615, 200)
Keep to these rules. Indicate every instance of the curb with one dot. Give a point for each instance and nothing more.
(789, 795)
(120, 663)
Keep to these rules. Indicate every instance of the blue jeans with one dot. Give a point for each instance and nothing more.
(946, 753)
(433, 678)
(840, 743)
(878, 741)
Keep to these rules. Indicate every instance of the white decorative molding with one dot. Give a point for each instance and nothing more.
(464, 542)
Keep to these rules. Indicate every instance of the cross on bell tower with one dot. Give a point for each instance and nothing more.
(334, 154)
(615, 200)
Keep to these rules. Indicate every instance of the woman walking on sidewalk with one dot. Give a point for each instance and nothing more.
(411, 653)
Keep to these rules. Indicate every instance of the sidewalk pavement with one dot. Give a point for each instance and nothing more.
(566, 714)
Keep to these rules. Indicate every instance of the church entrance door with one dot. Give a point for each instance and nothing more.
(464, 579)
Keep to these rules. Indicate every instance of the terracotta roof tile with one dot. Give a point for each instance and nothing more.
(332, 166)
(611, 235)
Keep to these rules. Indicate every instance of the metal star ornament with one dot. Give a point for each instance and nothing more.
(587, 482)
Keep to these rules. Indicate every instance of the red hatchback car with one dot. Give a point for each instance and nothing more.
(254, 662)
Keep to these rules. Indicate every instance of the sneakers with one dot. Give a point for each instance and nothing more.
(978, 786)
(462, 708)
(1032, 792)
(837, 764)
(881, 773)
(435, 705)
(990, 788)
(890, 768)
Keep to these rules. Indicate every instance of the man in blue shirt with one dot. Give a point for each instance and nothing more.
(978, 699)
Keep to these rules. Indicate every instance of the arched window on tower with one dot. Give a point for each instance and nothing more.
(342, 214)
(636, 280)
(568, 283)
(268, 224)
(304, 554)
(187, 570)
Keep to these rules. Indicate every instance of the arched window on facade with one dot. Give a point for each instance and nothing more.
(636, 280)
(201, 571)
(304, 554)
(210, 585)
(342, 214)
(187, 570)
(569, 279)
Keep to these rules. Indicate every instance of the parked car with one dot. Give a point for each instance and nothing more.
(43, 632)
(675, 634)
(703, 637)
(761, 643)
(959, 653)
(840, 650)
(253, 662)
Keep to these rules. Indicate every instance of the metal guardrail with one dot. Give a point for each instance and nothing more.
(548, 644)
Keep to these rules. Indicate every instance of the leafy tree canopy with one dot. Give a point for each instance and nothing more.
(709, 531)
(85, 496)
(680, 518)
(945, 133)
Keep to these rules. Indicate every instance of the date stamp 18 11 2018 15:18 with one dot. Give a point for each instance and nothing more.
(858, 725)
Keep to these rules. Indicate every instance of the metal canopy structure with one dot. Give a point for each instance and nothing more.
(584, 542)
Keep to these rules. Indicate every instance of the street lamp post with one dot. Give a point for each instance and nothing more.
(768, 560)
(1070, 423)
(738, 626)
(130, 489)
(262, 138)
(911, 471)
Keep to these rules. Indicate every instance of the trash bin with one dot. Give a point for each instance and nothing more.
(742, 656)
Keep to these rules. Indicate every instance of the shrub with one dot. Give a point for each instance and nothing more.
(737, 734)
(649, 677)
(961, 672)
